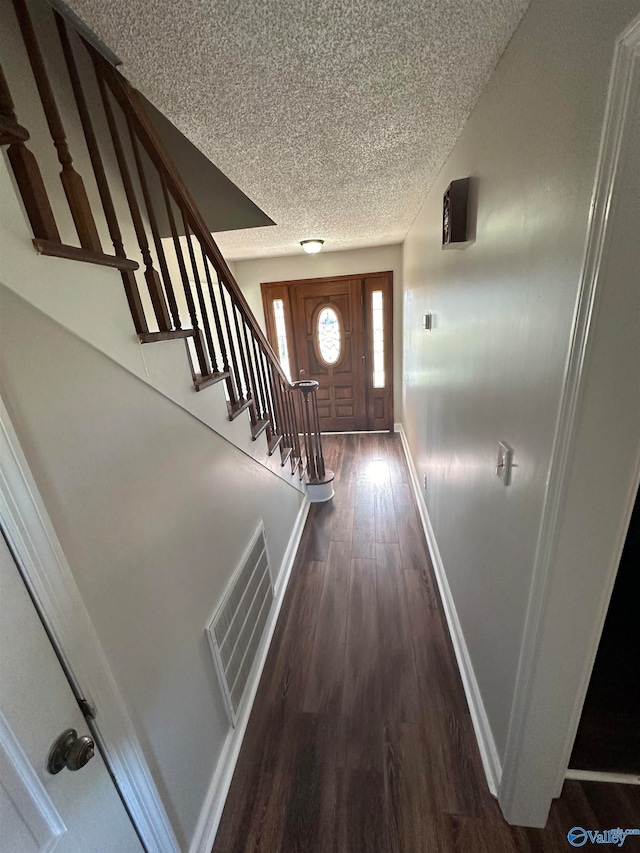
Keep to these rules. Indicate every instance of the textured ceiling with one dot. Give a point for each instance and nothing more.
(333, 116)
(219, 200)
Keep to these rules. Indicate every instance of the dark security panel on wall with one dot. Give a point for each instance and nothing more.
(455, 205)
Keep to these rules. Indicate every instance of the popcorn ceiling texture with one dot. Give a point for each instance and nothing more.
(333, 116)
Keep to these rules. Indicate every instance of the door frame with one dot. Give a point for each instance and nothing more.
(57, 599)
(560, 641)
(271, 290)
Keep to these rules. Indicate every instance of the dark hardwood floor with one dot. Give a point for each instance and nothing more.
(360, 738)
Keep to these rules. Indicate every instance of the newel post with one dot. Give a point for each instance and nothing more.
(319, 478)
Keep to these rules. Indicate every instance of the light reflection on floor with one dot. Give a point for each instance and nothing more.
(377, 471)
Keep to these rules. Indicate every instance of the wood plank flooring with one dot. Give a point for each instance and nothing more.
(360, 738)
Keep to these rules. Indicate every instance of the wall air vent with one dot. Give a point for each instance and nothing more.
(237, 628)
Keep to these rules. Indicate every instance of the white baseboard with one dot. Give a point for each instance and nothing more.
(602, 776)
(484, 735)
(290, 555)
(213, 805)
(358, 432)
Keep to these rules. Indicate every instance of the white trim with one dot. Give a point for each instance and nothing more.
(27, 792)
(211, 812)
(45, 569)
(603, 776)
(627, 47)
(358, 432)
(484, 735)
(225, 688)
(280, 583)
(320, 493)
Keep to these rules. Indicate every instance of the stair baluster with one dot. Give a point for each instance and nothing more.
(160, 306)
(216, 318)
(128, 276)
(248, 390)
(271, 409)
(25, 169)
(71, 181)
(234, 360)
(198, 341)
(150, 274)
(204, 314)
(257, 391)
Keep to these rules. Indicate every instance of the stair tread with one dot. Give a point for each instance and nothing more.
(171, 335)
(285, 453)
(237, 408)
(201, 381)
(273, 443)
(259, 427)
(76, 253)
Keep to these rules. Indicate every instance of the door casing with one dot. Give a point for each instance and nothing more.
(561, 639)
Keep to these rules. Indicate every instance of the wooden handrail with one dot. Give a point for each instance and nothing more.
(131, 104)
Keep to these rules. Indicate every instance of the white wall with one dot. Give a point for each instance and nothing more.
(250, 275)
(153, 511)
(493, 366)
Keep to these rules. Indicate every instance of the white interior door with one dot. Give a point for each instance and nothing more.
(69, 812)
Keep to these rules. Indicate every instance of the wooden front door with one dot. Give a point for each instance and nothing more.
(329, 347)
(337, 331)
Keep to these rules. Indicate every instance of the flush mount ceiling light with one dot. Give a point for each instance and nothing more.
(312, 247)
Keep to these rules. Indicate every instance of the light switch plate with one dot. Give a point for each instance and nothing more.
(505, 462)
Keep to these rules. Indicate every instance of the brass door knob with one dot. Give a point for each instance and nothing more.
(70, 751)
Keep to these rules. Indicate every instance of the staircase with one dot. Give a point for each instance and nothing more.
(177, 284)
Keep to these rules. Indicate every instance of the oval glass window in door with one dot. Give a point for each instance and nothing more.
(329, 335)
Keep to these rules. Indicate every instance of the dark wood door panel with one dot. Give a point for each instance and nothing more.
(341, 405)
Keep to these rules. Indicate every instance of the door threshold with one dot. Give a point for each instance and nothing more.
(603, 776)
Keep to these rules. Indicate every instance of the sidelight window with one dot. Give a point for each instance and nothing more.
(377, 324)
(281, 335)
